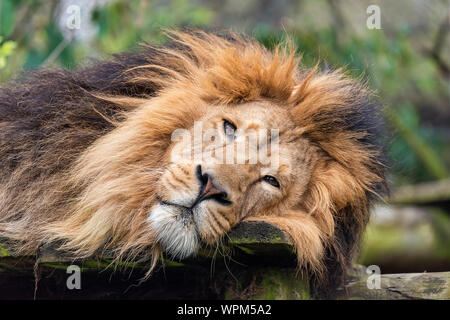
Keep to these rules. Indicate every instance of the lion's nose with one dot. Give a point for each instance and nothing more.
(208, 190)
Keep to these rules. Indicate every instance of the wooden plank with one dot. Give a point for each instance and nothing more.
(257, 237)
(259, 263)
(402, 286)
(436, 193)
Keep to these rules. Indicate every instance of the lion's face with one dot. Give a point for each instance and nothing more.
(236, 162)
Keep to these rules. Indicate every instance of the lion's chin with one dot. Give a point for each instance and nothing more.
(175, 230)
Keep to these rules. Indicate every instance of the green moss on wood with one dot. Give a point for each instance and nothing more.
(171, 263)
(246, 250)
(279, 285)
(257, 232)
(269, 284)
(4, 252)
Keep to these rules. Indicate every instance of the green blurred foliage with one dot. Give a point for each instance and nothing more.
(404, 77)
(143, 21)
(6, 49)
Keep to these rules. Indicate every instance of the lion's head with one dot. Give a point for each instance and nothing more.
(312, 173)
(250, 160)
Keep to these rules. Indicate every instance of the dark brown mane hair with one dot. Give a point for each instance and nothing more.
(49, 117)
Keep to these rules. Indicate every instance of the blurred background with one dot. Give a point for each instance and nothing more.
(405, 55)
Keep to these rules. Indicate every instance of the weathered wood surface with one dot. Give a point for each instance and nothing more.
(258, 262)
(401, 286)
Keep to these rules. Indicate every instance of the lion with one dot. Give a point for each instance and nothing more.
(89, 162)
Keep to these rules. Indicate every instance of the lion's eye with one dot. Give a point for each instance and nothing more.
(229, 129)
(271, 180)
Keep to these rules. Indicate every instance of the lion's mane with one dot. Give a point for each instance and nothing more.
(69, 173)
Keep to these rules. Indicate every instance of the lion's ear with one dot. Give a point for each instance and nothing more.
(304, 234)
